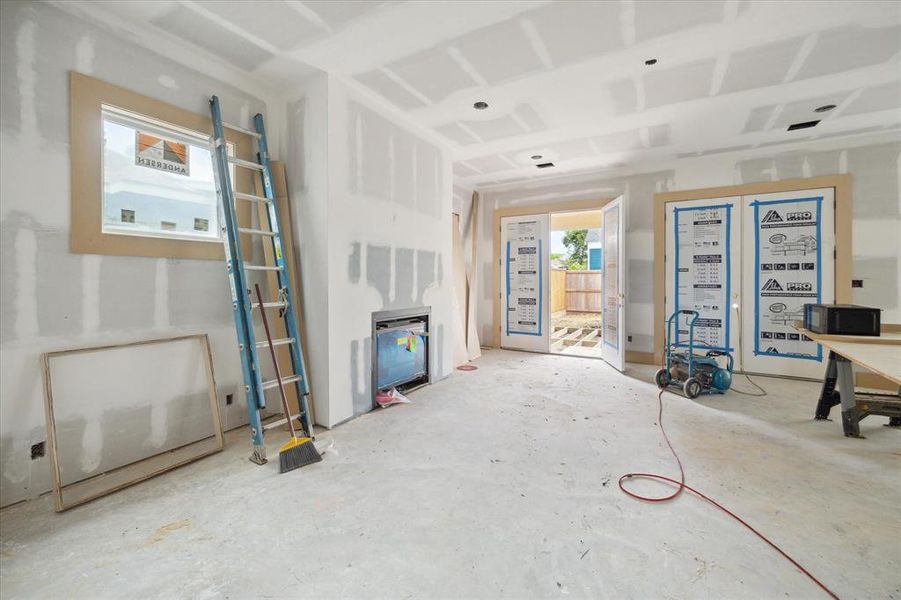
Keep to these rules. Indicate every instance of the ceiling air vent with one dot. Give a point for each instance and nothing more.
(546, 165)
(804, 125)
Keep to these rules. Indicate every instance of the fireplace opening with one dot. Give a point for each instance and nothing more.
(400, 350)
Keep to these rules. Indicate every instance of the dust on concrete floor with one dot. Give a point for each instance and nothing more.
(497, 483)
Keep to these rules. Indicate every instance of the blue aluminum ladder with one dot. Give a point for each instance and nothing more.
(243, 304)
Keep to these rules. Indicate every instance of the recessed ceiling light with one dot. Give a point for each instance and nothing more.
(480, 105)
(824, 108)
(651, 62)
(537, 157)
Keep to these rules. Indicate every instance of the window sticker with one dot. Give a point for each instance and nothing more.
(158, 153)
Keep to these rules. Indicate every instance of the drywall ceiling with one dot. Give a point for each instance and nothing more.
(567, 80)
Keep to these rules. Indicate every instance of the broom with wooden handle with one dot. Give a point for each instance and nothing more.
(299, 451)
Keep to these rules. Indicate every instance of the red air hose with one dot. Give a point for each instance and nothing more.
(681, 485)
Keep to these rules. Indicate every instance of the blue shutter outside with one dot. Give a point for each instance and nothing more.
(594, 259)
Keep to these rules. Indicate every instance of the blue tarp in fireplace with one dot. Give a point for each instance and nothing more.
(402, 355)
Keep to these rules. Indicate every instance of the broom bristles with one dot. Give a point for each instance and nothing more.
(298, 452)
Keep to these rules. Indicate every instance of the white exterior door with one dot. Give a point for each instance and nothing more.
(703, 270)
(788, 260)
(525, 289)
(613, 348)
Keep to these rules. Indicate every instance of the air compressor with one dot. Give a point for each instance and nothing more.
(696, 373)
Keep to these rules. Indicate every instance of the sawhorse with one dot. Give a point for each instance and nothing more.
(855, 407)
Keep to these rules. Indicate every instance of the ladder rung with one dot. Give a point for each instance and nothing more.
(268, 385)
(248, 267)
(256, 231)
(245, 163)
(281, 421)
(250, 197)
(270, 305)
(276, 342)
(241, 129)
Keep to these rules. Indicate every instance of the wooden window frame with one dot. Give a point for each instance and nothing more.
(87, 96)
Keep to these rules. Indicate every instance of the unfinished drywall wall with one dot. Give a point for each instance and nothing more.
(52, 299)
(374, 235)
(306, 143)
(390, 223)
(874, 162)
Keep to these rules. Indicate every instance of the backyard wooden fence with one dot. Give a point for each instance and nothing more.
(558, 290)
(575, 291)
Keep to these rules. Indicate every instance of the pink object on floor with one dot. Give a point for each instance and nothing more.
(392, 396)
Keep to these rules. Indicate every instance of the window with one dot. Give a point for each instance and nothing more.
(157, 179)
(142, 175)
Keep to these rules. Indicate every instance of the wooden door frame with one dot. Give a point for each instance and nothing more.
(843, 224)
(519, 211)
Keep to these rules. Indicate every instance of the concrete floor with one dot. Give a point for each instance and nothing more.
(497, 483)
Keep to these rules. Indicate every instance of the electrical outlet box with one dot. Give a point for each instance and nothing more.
(38, 450)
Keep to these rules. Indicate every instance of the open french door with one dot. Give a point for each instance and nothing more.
(613, 348)
(525, 290)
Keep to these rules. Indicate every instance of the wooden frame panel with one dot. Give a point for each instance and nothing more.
(86, 97)
(517, 211)
(117, 479)
(843, 216)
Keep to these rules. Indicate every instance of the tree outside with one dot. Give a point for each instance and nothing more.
(577, 246)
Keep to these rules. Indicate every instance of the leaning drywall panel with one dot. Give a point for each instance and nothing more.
(458, 314)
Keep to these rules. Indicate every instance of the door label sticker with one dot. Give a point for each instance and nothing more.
(610, 277)
(524, 284)
(788, 275)
(703, 280)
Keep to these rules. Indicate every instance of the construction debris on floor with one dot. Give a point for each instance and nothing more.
(386, 398)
